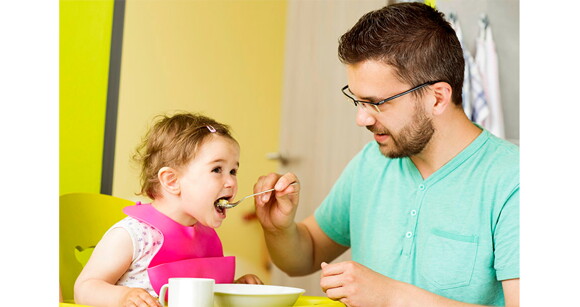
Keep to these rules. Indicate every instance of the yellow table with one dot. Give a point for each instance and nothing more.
(303, 301)
(318, 301)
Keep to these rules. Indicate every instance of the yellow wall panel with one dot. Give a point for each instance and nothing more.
(85, 39)
(221, 58)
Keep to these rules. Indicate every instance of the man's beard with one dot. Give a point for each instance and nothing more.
(412, 138)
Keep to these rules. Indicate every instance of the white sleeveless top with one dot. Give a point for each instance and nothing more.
(147, 241)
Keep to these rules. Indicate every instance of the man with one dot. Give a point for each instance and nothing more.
(431, 209)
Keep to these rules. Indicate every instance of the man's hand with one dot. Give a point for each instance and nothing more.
(355, 285)
(276, 209)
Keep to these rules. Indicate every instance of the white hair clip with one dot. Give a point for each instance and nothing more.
(211, 128)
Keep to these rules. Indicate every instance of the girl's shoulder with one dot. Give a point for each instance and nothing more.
(137, 228)
(145, 238)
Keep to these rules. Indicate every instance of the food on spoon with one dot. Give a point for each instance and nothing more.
(220, 205)
(222, 202)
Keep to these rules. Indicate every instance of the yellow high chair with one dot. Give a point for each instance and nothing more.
(84, 219)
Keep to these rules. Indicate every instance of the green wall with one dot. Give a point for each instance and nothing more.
(85, 39)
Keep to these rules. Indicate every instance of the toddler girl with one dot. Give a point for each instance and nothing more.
(188, 163)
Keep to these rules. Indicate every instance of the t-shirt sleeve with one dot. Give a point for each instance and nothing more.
(333, 215)
(507, 239)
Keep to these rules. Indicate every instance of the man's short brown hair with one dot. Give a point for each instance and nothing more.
(414, 39)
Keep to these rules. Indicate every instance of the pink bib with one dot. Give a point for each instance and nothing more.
(187, 251)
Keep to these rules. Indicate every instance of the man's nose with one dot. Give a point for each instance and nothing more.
(363, 118)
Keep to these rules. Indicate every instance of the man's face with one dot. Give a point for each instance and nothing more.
(402, 128)
(409, 140)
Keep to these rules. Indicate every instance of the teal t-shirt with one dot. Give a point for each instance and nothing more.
(455, 234)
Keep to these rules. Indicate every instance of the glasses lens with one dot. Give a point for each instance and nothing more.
(369, 108)
(350, 101)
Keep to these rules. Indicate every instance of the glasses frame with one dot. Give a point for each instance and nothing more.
(377, 104)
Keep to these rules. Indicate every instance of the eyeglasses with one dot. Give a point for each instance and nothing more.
(366, 105)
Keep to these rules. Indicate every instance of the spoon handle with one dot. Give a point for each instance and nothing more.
(270, 190)
(231, 205)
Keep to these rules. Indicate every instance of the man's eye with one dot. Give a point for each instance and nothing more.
(217, 170)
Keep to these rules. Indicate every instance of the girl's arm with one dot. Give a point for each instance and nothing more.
(111, 258)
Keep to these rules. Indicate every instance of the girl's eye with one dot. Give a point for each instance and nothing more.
(217, 170)
(234, 172)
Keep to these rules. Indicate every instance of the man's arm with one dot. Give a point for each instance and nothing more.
(296, 248)
(356, 285)
(300, 249)
(511, 292)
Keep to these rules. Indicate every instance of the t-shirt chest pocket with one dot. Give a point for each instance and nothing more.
(447, 259)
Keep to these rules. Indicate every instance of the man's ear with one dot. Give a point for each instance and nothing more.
(442, 92)
(168, 177)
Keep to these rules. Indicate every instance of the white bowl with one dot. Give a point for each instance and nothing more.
(245, 295)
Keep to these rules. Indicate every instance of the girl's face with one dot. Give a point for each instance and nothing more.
(209, 176)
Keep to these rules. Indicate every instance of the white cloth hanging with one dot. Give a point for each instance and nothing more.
(487, 64)
(480, 113)
(474, 98)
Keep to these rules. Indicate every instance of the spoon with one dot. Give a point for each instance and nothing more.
(224, 204)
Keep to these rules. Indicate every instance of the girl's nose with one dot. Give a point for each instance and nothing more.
(363, 118)
(230, 182)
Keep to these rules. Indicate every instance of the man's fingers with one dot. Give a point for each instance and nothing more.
(268, 183)
(285, 186)
(265, 183)
(332, 269)
(335, 293)
(331, 282)
(285, 181)
(277, 182)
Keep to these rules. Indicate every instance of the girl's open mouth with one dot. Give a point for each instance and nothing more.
(218, 202)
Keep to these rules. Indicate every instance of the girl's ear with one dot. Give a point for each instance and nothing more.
(168, 178)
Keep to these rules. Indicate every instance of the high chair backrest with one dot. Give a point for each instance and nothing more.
(84, 218)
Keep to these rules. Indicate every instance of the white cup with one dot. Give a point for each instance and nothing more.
(188, 292)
